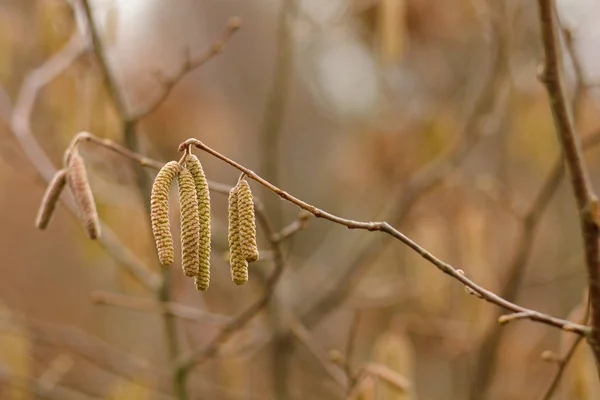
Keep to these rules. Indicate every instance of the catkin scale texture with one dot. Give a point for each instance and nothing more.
(82, 192)
(190, 224)
(51, 196)
(159, 212)
(193, 165)
(239, 265)
(247, 221)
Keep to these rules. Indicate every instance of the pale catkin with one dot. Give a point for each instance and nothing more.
(82, 192)
(247, 221)
(159, 212)
(193, 165)
(190, 224)
(51, 196)
(237, 261)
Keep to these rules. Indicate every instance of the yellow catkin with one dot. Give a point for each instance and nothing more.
(193, 165)
(190, 224)
(159, 215)
(239, 265)
(82, 192)
(247, 221)
(55, 188)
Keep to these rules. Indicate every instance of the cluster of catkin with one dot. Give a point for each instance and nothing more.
(74, 175)
(242, 231)
(194, 201)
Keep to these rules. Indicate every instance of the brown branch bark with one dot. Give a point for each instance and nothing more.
(587, 203)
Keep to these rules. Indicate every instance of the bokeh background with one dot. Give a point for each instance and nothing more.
(424, 113)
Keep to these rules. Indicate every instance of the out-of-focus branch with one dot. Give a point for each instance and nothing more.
(388, 229)
(587, 202)
(189, 64)
(583, 310)
(199, 356)
(151, 306)
(304, 336)
(290, 230)
(350, 344)
(482, 119)
(20, 125)
(487, 353)
(270, 130)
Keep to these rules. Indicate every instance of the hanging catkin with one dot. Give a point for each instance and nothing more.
(190, 239)
(239, 265)
(193, 165)
(55, 188)
(159, 215)
(247, 221)
(80, 187)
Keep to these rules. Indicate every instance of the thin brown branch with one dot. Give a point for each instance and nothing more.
(168, 83)
(152, 306)
(386, 228)
(587, 202)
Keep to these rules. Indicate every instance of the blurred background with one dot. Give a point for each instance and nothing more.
(423, 113)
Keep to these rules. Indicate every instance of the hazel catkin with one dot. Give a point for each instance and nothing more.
(190, 223)
(193, 165)
(51, 196)
(80, 187)
(159, 212)
(247, 221)
(239, 265)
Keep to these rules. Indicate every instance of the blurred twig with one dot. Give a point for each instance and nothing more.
(199, 356)
(21, 128)
(304, 336)
(488, 349)
(562, 362)
(189, 64)
(151, 306)
(274, 112)
(587, 202)
(481, 120)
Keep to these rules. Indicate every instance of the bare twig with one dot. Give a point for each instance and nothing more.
(274, 113)
(587, 202)
(151, 306)
(350, 344)
(583, 311)
(168, 83)
(308, 340)
(482, 119)
(386, 228)
(290, 230)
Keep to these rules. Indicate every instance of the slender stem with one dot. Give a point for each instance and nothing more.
(587, 202)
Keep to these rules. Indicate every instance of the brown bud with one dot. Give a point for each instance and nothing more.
(159, 215)
(190, 239)
(51, 196)
(193, 165)
(82, 192)
(247, 221)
